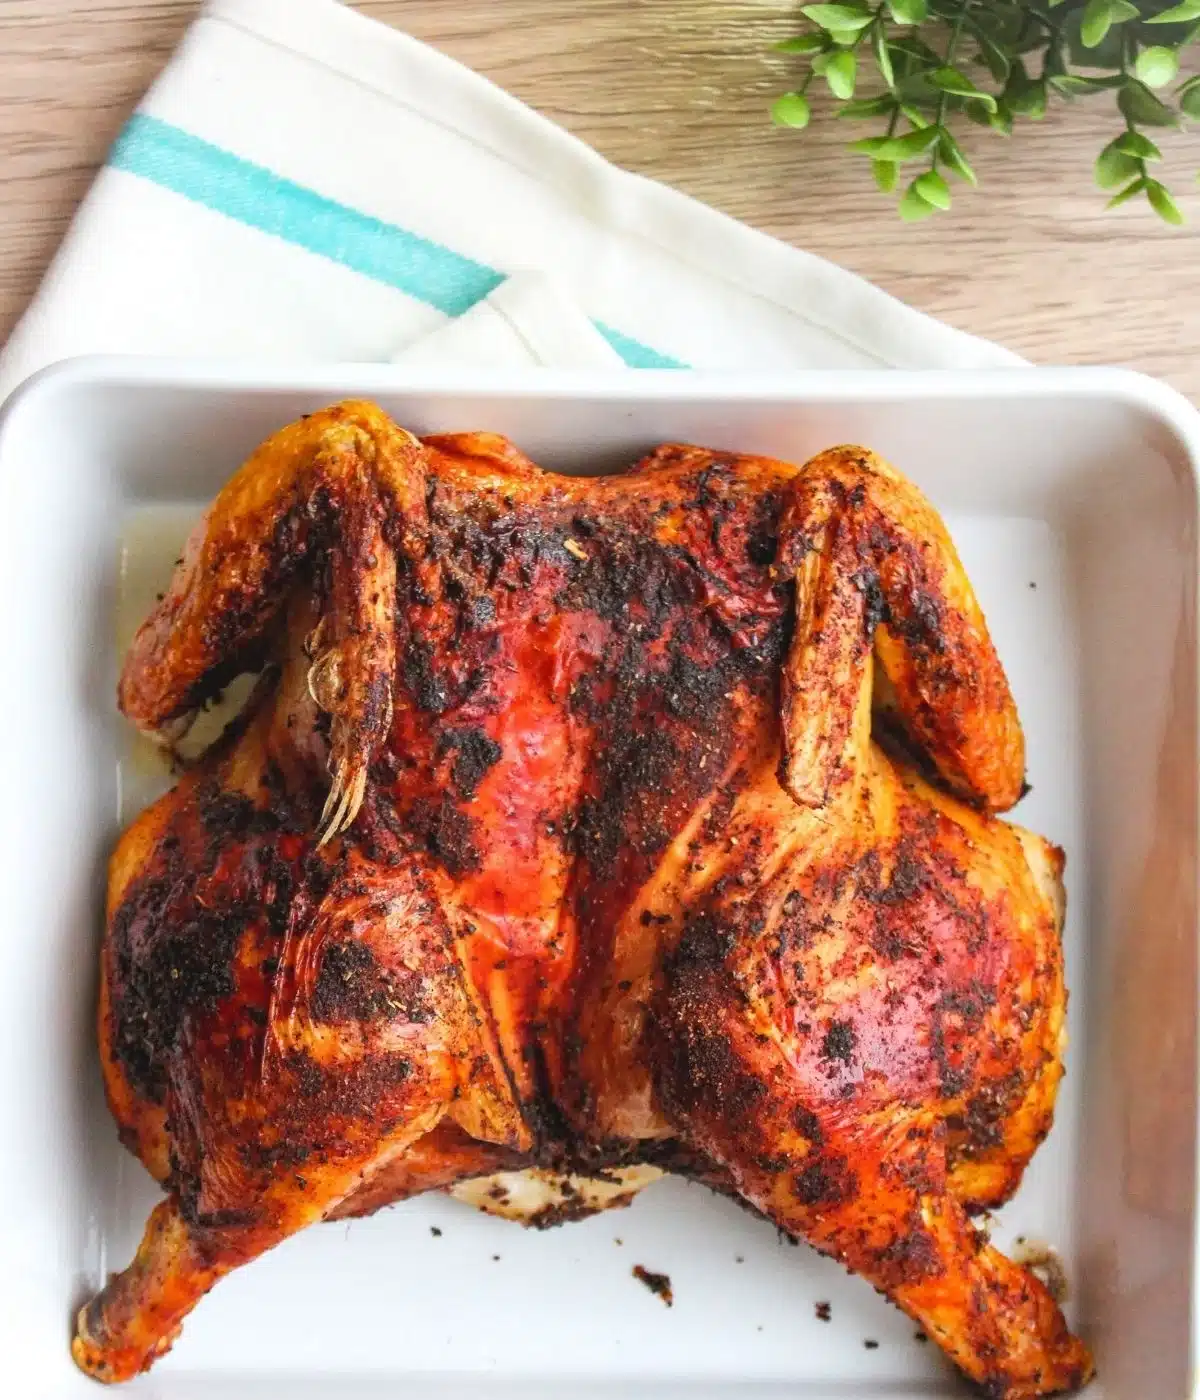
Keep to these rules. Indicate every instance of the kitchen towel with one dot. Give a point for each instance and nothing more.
(304, 183)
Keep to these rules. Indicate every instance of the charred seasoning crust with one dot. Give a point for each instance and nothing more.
(172, 954)
(447, 833)
(352, 986)
(573, 1207)
(160, 981)
(475, 754)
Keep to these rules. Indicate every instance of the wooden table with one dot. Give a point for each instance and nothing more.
(679, 89)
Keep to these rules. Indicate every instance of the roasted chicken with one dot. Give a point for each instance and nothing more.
(584, 826)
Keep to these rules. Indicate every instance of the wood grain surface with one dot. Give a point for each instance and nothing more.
(679, 90)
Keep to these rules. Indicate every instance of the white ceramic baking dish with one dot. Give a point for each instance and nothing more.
(1073, 497)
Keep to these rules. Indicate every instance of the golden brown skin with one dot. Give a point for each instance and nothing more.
(612, 872)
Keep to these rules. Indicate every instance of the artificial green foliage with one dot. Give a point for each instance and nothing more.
(921, 68)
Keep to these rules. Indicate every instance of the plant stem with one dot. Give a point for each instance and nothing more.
(1127, 53)
(1044, 19)
(951, 50)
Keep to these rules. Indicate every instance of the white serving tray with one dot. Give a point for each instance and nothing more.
(1072, 495)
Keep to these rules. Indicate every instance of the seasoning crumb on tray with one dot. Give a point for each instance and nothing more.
(824, 1312)
(658, 1284)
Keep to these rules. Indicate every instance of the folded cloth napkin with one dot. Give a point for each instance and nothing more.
(305, 183)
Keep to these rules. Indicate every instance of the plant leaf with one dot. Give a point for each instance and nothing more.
(909, 11)
(1096, 22)
(1055, 61)
(802, 43)
(1001, 120)
(1162, 203)
(1114, 167)
(913, 205)
(1098, 18)
(951, 80)
(933, 189)
(867, 107)
(951, 153)
(1189, 99)
(1157, 66)
(916, 47)
(885, 172)
(883, 58)
(872, 146)
(1107, 53)
(1140, 105)
(1018, 77)
(1133, 143)
(1076, 84)
(850, 18)
(1127, 193)
(1178, 14)
(1029, 100)
(998, 62)
(791, 109)
(909, 146)
(840, 73)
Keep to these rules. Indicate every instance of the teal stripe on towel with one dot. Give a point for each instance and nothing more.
(634, 353)
(253, 195)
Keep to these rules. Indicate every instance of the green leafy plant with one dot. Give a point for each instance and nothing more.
(922, 67)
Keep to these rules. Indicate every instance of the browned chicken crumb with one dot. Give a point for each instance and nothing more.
(658, 1284)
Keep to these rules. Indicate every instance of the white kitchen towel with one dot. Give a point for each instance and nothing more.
(528, 322)
(303, 183)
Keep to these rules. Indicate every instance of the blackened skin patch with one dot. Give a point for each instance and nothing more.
(349, 985)
(474, 755)
(447, 833)
(161, 982)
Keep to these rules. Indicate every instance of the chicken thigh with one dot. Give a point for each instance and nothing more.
(585, 826)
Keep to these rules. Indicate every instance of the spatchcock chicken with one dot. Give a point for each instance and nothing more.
(589, 828)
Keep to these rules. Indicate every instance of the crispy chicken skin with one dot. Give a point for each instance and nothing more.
(555, 835)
